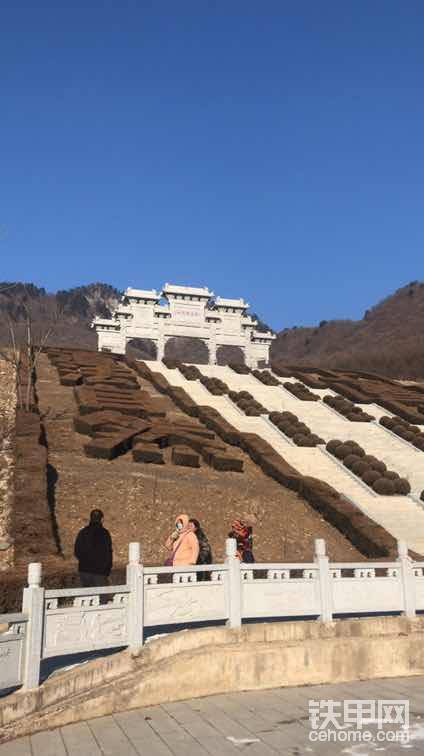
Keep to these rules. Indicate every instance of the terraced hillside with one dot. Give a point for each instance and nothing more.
(307, 454)
(394, 504)
(116, 441)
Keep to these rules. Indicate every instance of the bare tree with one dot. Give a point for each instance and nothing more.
(26, 342)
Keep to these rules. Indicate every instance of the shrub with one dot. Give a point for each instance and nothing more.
(379, 466)
(422, 496)
(391, 475)
(289, 416)
(370, 476)
(300, 439)
(357, 449)
(343, 451)
(359, 468)
(350, 460)
(316, 439)
(252, 411)
(290, 430)
(384, 487)
(402, 486)
(419, 442)
(276, 417)
(398, 429)
(332, 445)
(302, 428)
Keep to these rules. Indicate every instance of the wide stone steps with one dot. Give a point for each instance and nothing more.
(327, 423)
(400, 515)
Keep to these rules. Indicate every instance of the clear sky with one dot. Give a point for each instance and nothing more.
(266, 148)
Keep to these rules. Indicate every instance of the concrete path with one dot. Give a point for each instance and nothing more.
(256, 723)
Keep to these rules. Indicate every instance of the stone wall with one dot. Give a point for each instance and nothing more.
(7, 421)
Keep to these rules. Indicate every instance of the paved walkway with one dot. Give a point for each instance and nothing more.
(256, 723)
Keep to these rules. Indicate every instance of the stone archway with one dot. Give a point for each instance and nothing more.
(187, 349)
(227, 354)
(141, 349)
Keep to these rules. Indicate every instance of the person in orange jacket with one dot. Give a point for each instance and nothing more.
(182, 544)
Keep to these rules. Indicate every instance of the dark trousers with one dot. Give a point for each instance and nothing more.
(91, 580)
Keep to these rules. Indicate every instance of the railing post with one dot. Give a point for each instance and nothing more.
(408, 580)
(135, 581)
(33, 607)
(325, 584)
(233, 583)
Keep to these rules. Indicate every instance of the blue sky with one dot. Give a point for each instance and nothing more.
(272, 150)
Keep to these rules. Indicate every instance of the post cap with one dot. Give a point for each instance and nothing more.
(134, 552)
(319, 544)
(402, 548)
(230, 547)
(34, 574)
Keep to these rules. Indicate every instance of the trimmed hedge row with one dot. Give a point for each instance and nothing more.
(190, 372)
(349, 410)
(309, 380)
(300, 392)
(289, 424)
(239, 368)
(404, 412)
(192, 437)
(369, 537)
(371, 470)
(184, 456)
(264, 376)
(282, 372)
(31, 519)
(349, 392)
(404, 430)
(171, 364)
(214, 385)
(247, 404)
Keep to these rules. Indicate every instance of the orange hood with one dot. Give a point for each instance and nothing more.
(184, 519)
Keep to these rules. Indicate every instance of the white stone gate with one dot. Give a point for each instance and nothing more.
(184, 311)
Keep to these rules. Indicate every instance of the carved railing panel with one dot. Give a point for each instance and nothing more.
(12, 650)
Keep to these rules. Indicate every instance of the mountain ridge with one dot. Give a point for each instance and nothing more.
(389, 339)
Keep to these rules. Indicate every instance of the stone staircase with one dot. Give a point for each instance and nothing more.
(402, 516)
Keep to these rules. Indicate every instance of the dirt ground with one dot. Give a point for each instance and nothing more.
(141, 501)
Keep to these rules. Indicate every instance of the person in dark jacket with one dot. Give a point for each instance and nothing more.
(93, 549)
(205, 551)
(243, 534)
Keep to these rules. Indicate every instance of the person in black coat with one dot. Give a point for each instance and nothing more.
(205, 551)
(93, 549)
